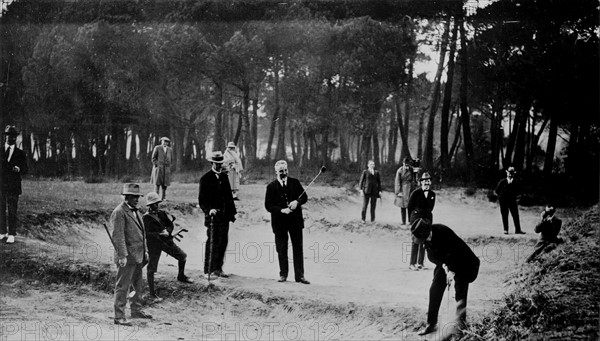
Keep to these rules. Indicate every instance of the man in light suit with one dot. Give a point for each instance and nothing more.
(131, 254)
(370, 190)
(14, 165)
(162, 158)
(284, 199)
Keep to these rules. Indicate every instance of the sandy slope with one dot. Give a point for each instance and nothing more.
(361, 286)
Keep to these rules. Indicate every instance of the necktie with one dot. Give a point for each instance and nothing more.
(285, 191)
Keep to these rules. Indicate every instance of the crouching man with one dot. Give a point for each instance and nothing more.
(455, 263)
(159, 229)
(549, 227)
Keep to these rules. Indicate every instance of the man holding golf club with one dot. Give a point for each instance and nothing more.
(131, 255)
(284, 199)
(159, 230)
(455, 264)
(216, 200)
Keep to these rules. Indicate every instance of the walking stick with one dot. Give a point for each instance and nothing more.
(211, 240)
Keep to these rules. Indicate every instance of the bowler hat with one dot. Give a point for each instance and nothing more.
(425, 176)
(11, 130)
(231, 145)
(152, 198)
(131, 189)
(164, 138)
(216, 157)
(421, 228)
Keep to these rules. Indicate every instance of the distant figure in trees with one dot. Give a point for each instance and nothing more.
(162, 159)
(404, 184)
(549, 227)
(509, 193)
(234, 167)
(370, 189)
(420, 206)
(14, 165)
(454, 263)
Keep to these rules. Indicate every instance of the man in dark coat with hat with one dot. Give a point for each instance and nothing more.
(370, 189)
(549, 227)
(284, 199)
(509, 192)
(14, 166)
(420, 205)
(216, 201)
(454, 262)
(131, 254)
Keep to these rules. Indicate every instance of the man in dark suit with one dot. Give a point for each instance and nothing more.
(455, 262)
(14, 165)
(509, 193)
(216, 201)
(284, 199)
(131, 254)
(370, 190)
(420, 205)
(549, 226)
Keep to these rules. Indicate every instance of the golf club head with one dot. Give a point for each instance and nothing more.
(323, 169)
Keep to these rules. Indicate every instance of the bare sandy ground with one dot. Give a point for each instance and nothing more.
(361, 285)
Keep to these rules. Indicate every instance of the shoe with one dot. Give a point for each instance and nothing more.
(2, 236)
(419, 267)
(123, 322)
(219, 273)
(429, 328)
(505, 232)
(302, 280)
(282, 279)
(413, 267)
(140, 315)
(518, 232)
(184, 279)
(10, 239)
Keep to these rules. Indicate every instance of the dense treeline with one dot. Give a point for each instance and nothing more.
(93, 87)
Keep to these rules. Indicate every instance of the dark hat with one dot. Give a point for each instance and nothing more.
(425, 176)
(407, 159)
(216, 157)
(511, 170)
(11, 130)
(421, 228)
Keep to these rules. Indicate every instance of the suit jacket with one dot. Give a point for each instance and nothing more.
(129, 235)
(549, 229)
(161, 170)
(369, 183)
(216, 194)
(404, 183)
(155, 223)
(12, 180)
(508, 193)
(419, 206)
(447, 248)
(276, 199)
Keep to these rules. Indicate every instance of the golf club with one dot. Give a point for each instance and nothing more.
(322, 170)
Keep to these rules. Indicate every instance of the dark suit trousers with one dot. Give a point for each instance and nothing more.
(366, 199)
(169, 247)
(128, 276)
(8, 222)
(436, 293)
(417, 254)
(281, 245)
(514, 211)
(215, 251)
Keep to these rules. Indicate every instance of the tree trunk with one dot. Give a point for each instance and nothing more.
(445, 127)
(219, 140)
(520, 145)
(275, 113)
(239, 128)
(392, 138)
(405, 152)
(280, 152)
(254, 125)
(420, 138)
(465, 115)
(434, 99)
(550, 148)
(407, 110)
